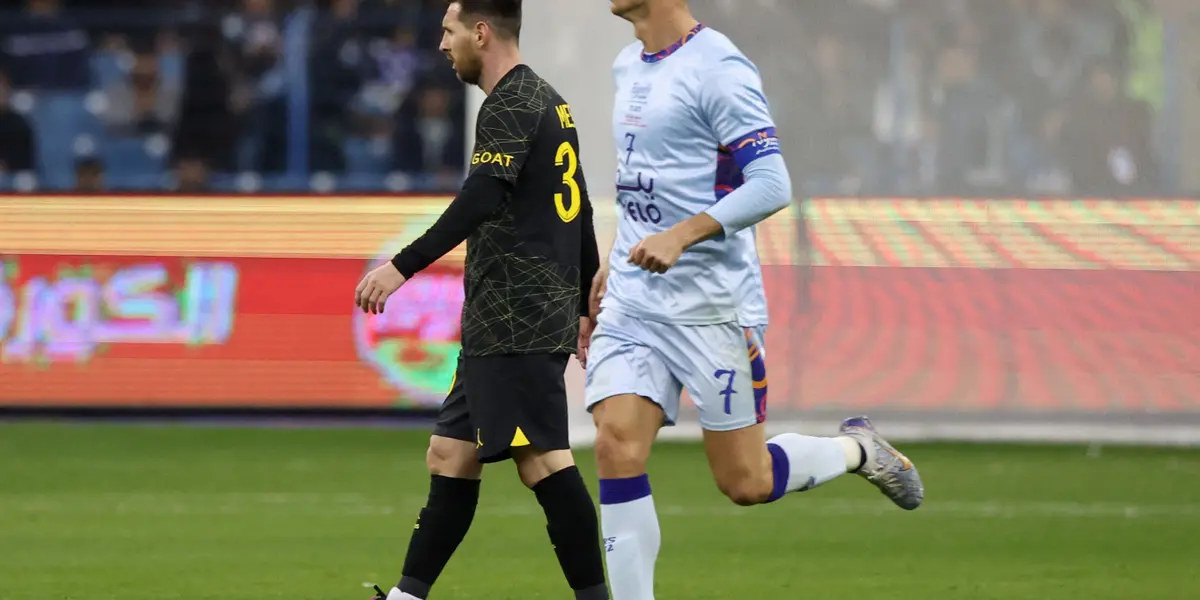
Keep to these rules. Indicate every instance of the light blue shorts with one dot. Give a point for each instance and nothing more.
(722, 366)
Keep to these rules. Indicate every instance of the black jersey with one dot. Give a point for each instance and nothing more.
(525, 212)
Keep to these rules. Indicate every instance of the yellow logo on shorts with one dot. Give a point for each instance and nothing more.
(519, 439)
(478, 438)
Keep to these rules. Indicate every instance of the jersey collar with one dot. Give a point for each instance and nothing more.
(661, 54)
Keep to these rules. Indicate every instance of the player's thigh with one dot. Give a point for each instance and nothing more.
(624, 361)
(723, 368)
(517, 400)
(630, 393)
(452, 446)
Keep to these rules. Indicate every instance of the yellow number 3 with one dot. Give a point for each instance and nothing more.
(566, 153)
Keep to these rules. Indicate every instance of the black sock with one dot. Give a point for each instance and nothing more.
(442, 525)
(574, 530)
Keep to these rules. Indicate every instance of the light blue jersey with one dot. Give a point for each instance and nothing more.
(688, 121)
(693, 135)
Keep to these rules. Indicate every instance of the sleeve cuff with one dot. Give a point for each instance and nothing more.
(406, 263)
(726, 226)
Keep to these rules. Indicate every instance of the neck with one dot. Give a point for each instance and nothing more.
(658, 29)
(497, 66)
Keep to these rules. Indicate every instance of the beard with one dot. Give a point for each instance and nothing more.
(469, 69)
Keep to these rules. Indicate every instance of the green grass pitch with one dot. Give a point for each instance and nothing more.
(141, 513)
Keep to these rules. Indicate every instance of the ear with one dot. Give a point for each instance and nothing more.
(481, 32)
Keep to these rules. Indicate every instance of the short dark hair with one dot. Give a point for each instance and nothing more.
(503, 15)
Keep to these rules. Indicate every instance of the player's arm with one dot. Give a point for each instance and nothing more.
(736, 108)
(479, 198)
(503, 137)
(589, 256)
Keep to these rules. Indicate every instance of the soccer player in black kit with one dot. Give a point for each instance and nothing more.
(531, 255)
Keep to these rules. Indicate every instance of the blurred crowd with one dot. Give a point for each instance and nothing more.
(972, 97)
(212, 94)
(962, 97)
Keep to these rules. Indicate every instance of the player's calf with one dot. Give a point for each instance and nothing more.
(571, 519)
(626, 426)
(750, 470)
(446, 517)
(741, 464)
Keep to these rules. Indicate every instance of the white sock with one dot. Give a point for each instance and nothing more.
(802, 462)
(855, 454)
(631, 536)
(396, 594)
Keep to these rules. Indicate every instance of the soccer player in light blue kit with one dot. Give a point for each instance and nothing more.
(681, 303)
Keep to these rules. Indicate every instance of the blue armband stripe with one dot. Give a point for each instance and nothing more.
(753, 146)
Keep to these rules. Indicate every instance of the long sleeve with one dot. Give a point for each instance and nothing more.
(499, 156)
(589, 256)
(481, 196)
(766, 191)
(736, 108)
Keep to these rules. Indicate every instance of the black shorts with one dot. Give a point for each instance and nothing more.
(507, 401)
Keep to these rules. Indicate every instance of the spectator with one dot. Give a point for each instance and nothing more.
(430, 140)
(1109, 138)
(1042, 161)
(966, 106)
(192, 175)
(255, 39)
(143, 103)
(398, 62)
(207, 127)
(89, 176)
(837, 129)
(17, 152)
(340, 61)
(45, 49)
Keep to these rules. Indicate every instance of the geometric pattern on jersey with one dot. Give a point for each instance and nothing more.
(516, 302)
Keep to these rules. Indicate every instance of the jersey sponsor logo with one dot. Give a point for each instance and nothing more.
(491, 158)
(640, 207)
(637, 200)
(639, 97)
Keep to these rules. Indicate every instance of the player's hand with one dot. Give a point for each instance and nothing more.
(657, 252)
(586, 325)
(373, 291)
(599, 288)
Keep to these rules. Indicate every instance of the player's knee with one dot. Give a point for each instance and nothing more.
(745, 489)
(535, 465)
(619, 452)
(625, 429)
(452, 458)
